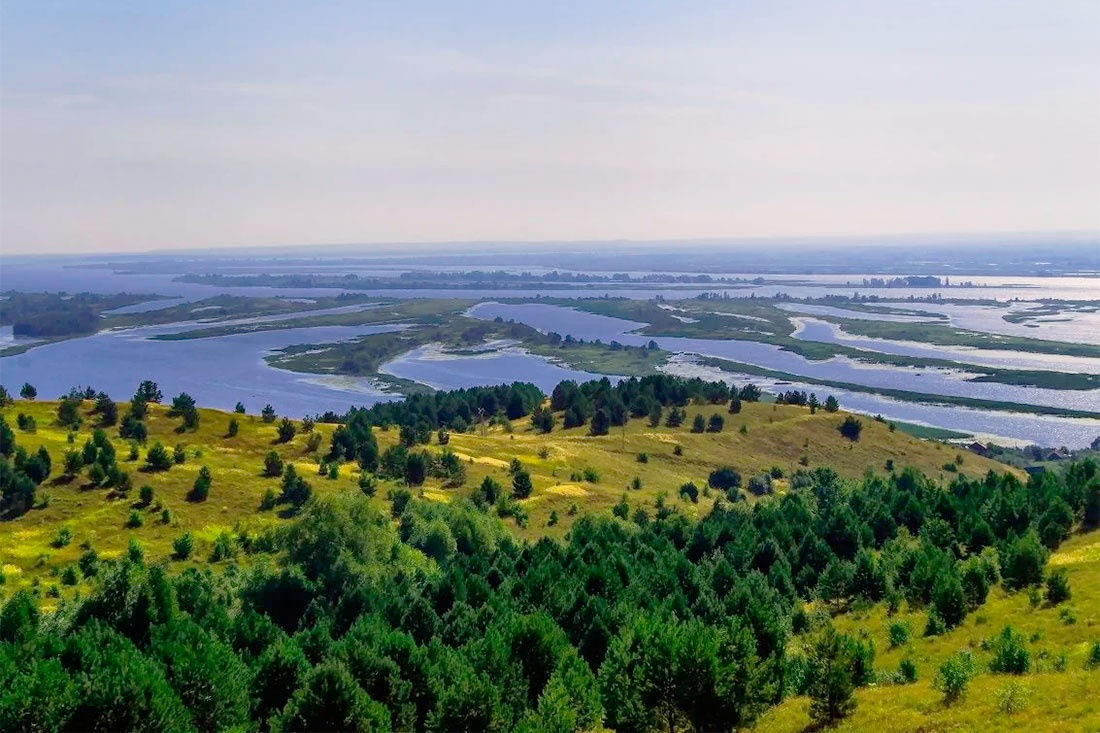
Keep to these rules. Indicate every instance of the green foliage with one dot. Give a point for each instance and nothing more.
(1009, 653)
(157, 458)
(850, 428)
(833, 660)
(200, 490)
(1012, 697)
(183, 545)
(899, 632)
(521, 484)
(954, 676)
(1057, 586)
(211, 681)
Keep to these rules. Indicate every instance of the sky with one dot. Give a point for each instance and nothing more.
(151, 125)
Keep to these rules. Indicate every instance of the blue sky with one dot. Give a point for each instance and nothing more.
(134, 126)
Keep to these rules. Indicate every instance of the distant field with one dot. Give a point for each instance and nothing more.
(776, 435)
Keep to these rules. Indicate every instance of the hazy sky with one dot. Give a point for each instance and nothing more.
(132, 126)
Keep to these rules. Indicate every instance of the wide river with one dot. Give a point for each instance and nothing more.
(223, 370)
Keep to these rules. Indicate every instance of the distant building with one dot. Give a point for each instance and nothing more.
(980, 449)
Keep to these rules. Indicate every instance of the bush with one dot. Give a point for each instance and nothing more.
(183, 546)
(716, 423)
(268, 414)
(690, 492)
(63, 537)
(761, 484)
(1010, 656)
(1092, 661)
(157, 458)
(70, 575)
(234, 426)
(1057, 586)
(832, 663)
(699, 424)
(145, 493)
(179, 455)
(724, 479)
(954, 676)
(643, 458)
(1012, 697)
(899, 633)
(368, 485)
(89, 563)
(850, 428)
(273, 464)
(268, 500)
(521, 484)
(286, 430)
(200, 490)
(135, 520)
(907, 671)
(223, 548)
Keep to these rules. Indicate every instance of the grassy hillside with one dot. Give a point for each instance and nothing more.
(775, 435)
(1053, 700)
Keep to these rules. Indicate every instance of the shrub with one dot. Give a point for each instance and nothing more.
(899, 633)
(850, 428)
(135, 520)
(716, 423)
(273, 464)
(145, 493)
(70, 575)
(760, 484)
(313, 442)
(268, 500)
(907, 671)
(166, 516)
(234, 426)
(1092, 661)
(622, 509)
(724, 479)
(183, 546)
(268, 414)
(699, 424)
(521, 484)
(200, 490)
(134, 553)
(643, 458)
(157, 458)
(1010, 656)
(179, 455)
(954, 675)
(832, 661)
(89, 563)
(1057, 585)
(1012, 697)
(223, 547)
(286, 430)
(63, 537)
(690, 492)
(1068, 615)
(368, 485)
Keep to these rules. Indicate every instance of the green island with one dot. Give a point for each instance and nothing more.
(729, 365)
(751, 319)
(663, 553)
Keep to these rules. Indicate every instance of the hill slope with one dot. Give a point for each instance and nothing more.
(774, 435)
